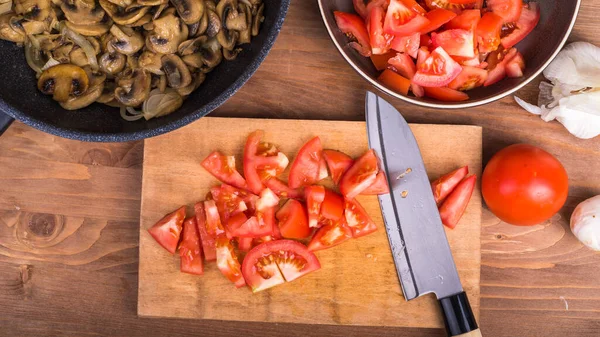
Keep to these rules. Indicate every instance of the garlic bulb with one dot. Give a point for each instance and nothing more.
(573, 97)
(585, 222)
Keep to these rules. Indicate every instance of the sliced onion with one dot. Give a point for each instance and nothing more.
(51, 63)
(83, 43)
(160, 104)
(32, 56)
(127, 117)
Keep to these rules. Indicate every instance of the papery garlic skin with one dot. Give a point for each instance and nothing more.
(585, 222)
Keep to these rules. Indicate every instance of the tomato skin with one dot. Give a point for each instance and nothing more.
(361, 175)
(456, 42)
(394, 81)
(208, 241)
(293, 221)
(314, 196)
(469, 78)
(488, 32)
(381, 61)
(190, 250)
(466, 20)
(330, 236)
(524, 185)
(498, 72)
(407, 44)
(379, 41)
(456, 203)
(229, 201)
(379, 186)
(168, 230)
(305, 168)
(354, 27)
(437, 70)
(530, 17)
(281, 189)
(223, 168)
(442, 186)
(332, 207)
(508, 10)
(515, 66)
(358, 220)
(446, 94)
(227, 261)
(253, 180)
(245, 244)
(404, 65)
(437, 18)
(456, 6)
(337, 162)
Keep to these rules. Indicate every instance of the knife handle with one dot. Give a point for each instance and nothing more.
(458, 316)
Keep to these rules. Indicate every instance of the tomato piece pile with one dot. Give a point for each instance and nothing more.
(440, 48)
(452, 193)
(263, 231)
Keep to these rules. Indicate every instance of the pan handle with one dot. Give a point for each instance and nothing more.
(5, 121)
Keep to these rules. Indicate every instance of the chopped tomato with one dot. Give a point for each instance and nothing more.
(252, 227)
(466, 20)
(276, 235)
(213, 220)
(471, 62)
(381, 61)
(407, 44)
(275, 262)
(445, 184)
(330, 235)
(422, 55)
(379, 41)
(361, 175)
(425, 42)
(338, 163)
(245, 244)
(322, 169)
(400, 13)
(271, 166)
(314, 196)
(515, 66)
(469, 78)
(358, 220)
(508, 10)
(332, 207)
(360, 8)
(394, 81)
(530, 16)
(497, 65)
(354, 28)
(405, 66)
(417, 24)
(446, 94)
(488, 32)
(267, 200)
(454, 206)
(229, 201)
(454, 5)
(281, 189)
(437, 18)
(168, 229)
(293, 222)
(305, 168)
(227, 261)
(223, 168)
(437, 70)
(208, 241)
(255, 184)
(190, 250)
(380, 186)
(456, 42)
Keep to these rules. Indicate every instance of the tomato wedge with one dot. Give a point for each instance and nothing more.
(508, 10)
(437, 18)
(437, 70)
(338, 163)
(275, 262)
(354, 28)
(400, 13)
(515, 66)
(229, 201)
(454, 206)
(358, 220)
(168, 229)
(322, 169)
(314, 196)
(379, 41)
(455, 42)
(394, 81)
(208, 241)
(446, 94)
(454, 5)
(268, 199)
(405, 66)
(381, 61)
(213, 219)
(293, 222)
(445, 184)
(530, 16)
(332, 207)
(281, 189)
(498, 71)
(271, 166)
(380, 186)
(223, 168)
(407, 44)
(305, 168)
(253, 180)
(190, 250)
(422, 56)
(227, 261)
(488, 32)
(330, 235)
(466, 20)
(245, 244)
(469, 78)
(361, 175)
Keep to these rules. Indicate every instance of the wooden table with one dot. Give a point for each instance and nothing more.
(69, 233)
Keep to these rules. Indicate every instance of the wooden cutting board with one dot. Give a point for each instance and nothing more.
(357, 284)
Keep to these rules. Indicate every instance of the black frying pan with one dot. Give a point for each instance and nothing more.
(20, 99)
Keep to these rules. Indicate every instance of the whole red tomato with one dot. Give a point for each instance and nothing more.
(524, 185)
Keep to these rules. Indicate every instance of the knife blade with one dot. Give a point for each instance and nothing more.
(419, 246)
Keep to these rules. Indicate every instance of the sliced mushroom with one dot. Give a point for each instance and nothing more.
(230, 55)
(33, 10)
(202, 25)
(90, 96)
(258, 19)
(61, 54)
(213, 24)
(5, 7)
(211, 55)
(169, 31)
(152, 2)
(95, 44)
(126, 40)
(124, 15)
(132, 62)
(133, 88)
(191, 46)
(159, 11)
(18, 23)
(190, 11)
(151, 62)
(63, 81)
(78, 57)
(147, 18)
(245, 34)
(193, 60)
(96, 29)
(235, 19)
(210, 4)
(198, 78)
(227, 37)
(178, 74)
(112, 63)
(6, 30)
(162, 83)
(82, 12)
(122, 3)
(108, 93)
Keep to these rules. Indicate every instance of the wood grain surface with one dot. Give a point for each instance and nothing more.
(357, 284)
(535, 281)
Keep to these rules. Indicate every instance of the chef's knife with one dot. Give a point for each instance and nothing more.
(421, 253)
